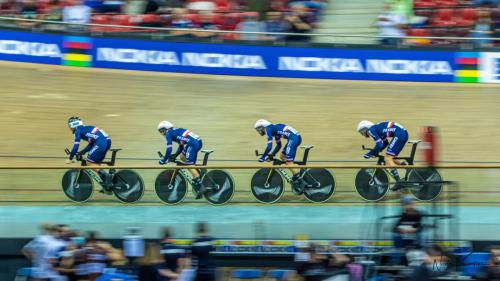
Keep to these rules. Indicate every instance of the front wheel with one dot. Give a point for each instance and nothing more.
(171, 187)
(267, 185)
(219, 186)
(320, 185)
(372, 184)
(128, 186)
(429, 183)
(77, 185)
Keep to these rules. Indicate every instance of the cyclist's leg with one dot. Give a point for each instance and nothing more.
(395, 147)
(298, 183)
(189, 156)
(289, 152)
(95, 157)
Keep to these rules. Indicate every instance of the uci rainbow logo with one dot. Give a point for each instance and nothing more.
(77, 51)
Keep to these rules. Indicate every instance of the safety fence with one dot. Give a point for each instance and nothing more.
(325, 184)
(161, 51)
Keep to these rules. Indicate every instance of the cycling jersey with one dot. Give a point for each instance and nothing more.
(189, 144)
(278, 131)
(380, 134)
(98, 143)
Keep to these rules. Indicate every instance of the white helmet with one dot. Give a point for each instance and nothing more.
(364, 125)
(261, 123)
(74, 122)
(165, 125)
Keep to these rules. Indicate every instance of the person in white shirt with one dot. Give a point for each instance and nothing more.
(77, 14)
(39, 251)
(391, 24)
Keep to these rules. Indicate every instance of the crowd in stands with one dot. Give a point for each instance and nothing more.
(294, 16)
(63, 254)
(440, 18)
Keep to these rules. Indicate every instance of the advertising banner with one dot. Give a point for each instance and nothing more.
(247, 60)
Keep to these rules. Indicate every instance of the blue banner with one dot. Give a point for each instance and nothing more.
(227, 59)
(30, 47)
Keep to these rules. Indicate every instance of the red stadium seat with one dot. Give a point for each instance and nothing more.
(194, 18)
(424, 4)
(423, 13)
(222, 5)
(231, 20)
(447, 3)
(165, 20)
(418, 32)
(218, 19)
(148, 18)
(100, 19)
(443, 17)
(467, 17)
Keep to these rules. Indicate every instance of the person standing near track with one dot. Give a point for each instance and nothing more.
(381, 133)
(98, 145)
(278, 131)
(189, 146)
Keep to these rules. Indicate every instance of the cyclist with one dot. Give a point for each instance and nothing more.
(189, 145)
(278, 131)
(98, 145)
(380, 133)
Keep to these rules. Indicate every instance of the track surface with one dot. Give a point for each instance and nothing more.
(37, 100)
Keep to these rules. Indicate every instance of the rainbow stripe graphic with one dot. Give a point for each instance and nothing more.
(77, 51)
(467, 67)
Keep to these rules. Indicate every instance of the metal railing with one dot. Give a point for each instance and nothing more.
(216, 31)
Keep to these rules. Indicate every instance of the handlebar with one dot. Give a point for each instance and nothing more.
(78, 156)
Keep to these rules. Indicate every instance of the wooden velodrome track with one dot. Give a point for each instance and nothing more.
(36, 101)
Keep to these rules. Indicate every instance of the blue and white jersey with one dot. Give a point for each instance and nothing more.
(278, 131)
(381, 131)
(90, 134)
(181, 136)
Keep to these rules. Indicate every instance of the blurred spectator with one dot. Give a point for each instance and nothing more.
(152, 6)
(486, 2)
(99, 254)
(53, 11)
(28, 10)
(109, 6)
(38, 250)
(134, 7)
(173, 255)
(250, 23)
(207, 23)
(391, 24)
(298, 22)
(76, 13)
(201, 254)
(425, 266)
(319, 266)
(150, 264)
(179, 20)
(407, 231)
(275, 23)
(492, 271)
(483, 29)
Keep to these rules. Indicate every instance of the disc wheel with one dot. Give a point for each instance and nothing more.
(171, 190)
(320, 185)
(219, 185)
(431, 185)
(77, 185)
(128, 186)
(267, 185)
(372, 188)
